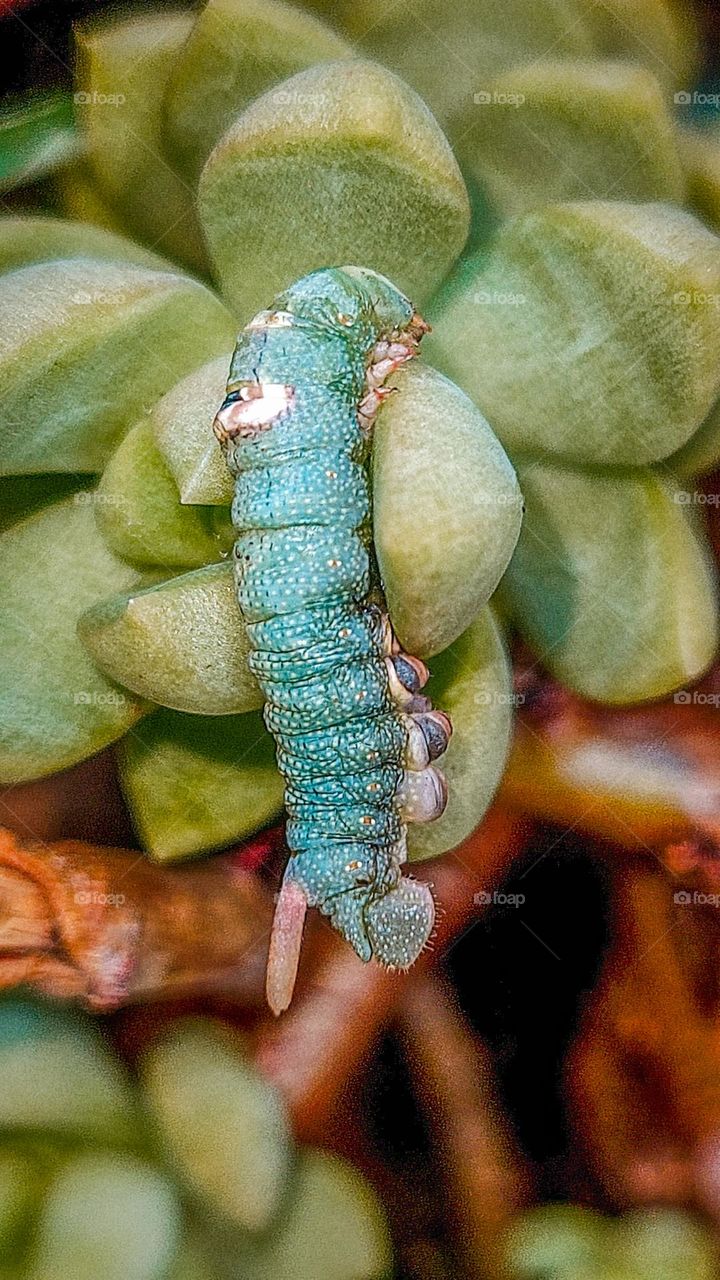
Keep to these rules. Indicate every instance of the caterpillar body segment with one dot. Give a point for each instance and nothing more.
(355, 737)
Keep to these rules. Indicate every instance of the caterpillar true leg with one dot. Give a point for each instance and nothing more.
(355, 736)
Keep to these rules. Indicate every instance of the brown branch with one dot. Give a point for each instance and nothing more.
(107, 927)
(641, 776)
(486, 1182)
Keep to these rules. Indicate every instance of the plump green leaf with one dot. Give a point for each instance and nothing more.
(85, 347)
(199, 782)
(451, 53)
(236, 50)
(123, 68)
(611, 582)
(58, 1075)
(341, 163)
(222, 1124)
(660, 1243)
(562, 1240)
(575, 131)
(702, 451)
(182, 423)
(106, 1215)
(37, 135)
(79, 199)
(334, 1228)
(446, 508)
(29, 239)
(472, 682)
(18, 1196)
(700, 150)
(590, 332)
(55, 706)
(182, 643)
(138, 509)
(21, 496)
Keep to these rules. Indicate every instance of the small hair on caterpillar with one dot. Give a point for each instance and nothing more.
(355, 736)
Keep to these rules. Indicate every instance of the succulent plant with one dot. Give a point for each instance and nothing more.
(581, 337)
(197, 1157)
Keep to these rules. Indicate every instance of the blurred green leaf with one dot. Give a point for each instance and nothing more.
(55, 706)
(123, 68)
(59, 1076)
(590, 332)
(702, 451)
(663, 1243)
(235, 51)
(440, 480)
(554, 131)
(341, 163)
(562, 1241)
(700, 150)
(223, 1126)
(138, 510)
(196, 783)
(85, 347)
(21, 496)
(472, 682)
(182, 643)
(37, 135)
(106, 1215)
(19, 1189)
(28, 239)
(334, 1228)
(612, 583)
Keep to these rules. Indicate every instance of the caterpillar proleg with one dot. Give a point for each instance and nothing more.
(355, 736)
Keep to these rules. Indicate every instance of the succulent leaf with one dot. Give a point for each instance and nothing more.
(334, 1228)
(611, 582)
(138, 510)
(106, 1214)
(590, 332)
(28, 239)
(181, 422)
(472, 682)
(575, 131)
(341, 163)
(236, 50)
(55, 706)
(181, 643)
(123, 69)
(700, 150)
(222, 1124)
(84, 346)
(702, 451)
(199, 782)
(58, 1076)
(441, 480)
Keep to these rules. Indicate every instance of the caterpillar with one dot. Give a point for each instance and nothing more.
(354, 735)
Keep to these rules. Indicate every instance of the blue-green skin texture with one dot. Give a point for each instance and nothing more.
(303, 576)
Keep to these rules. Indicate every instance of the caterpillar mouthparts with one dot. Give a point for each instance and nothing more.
(355, 737)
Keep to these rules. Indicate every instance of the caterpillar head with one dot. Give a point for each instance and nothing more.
(353, 300)
(391, 927)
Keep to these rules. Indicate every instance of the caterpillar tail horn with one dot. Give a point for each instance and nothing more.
(285, 943)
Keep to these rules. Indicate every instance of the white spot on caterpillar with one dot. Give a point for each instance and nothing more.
(257, 407)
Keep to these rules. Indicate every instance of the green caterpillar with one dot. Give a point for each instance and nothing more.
(355, 737)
